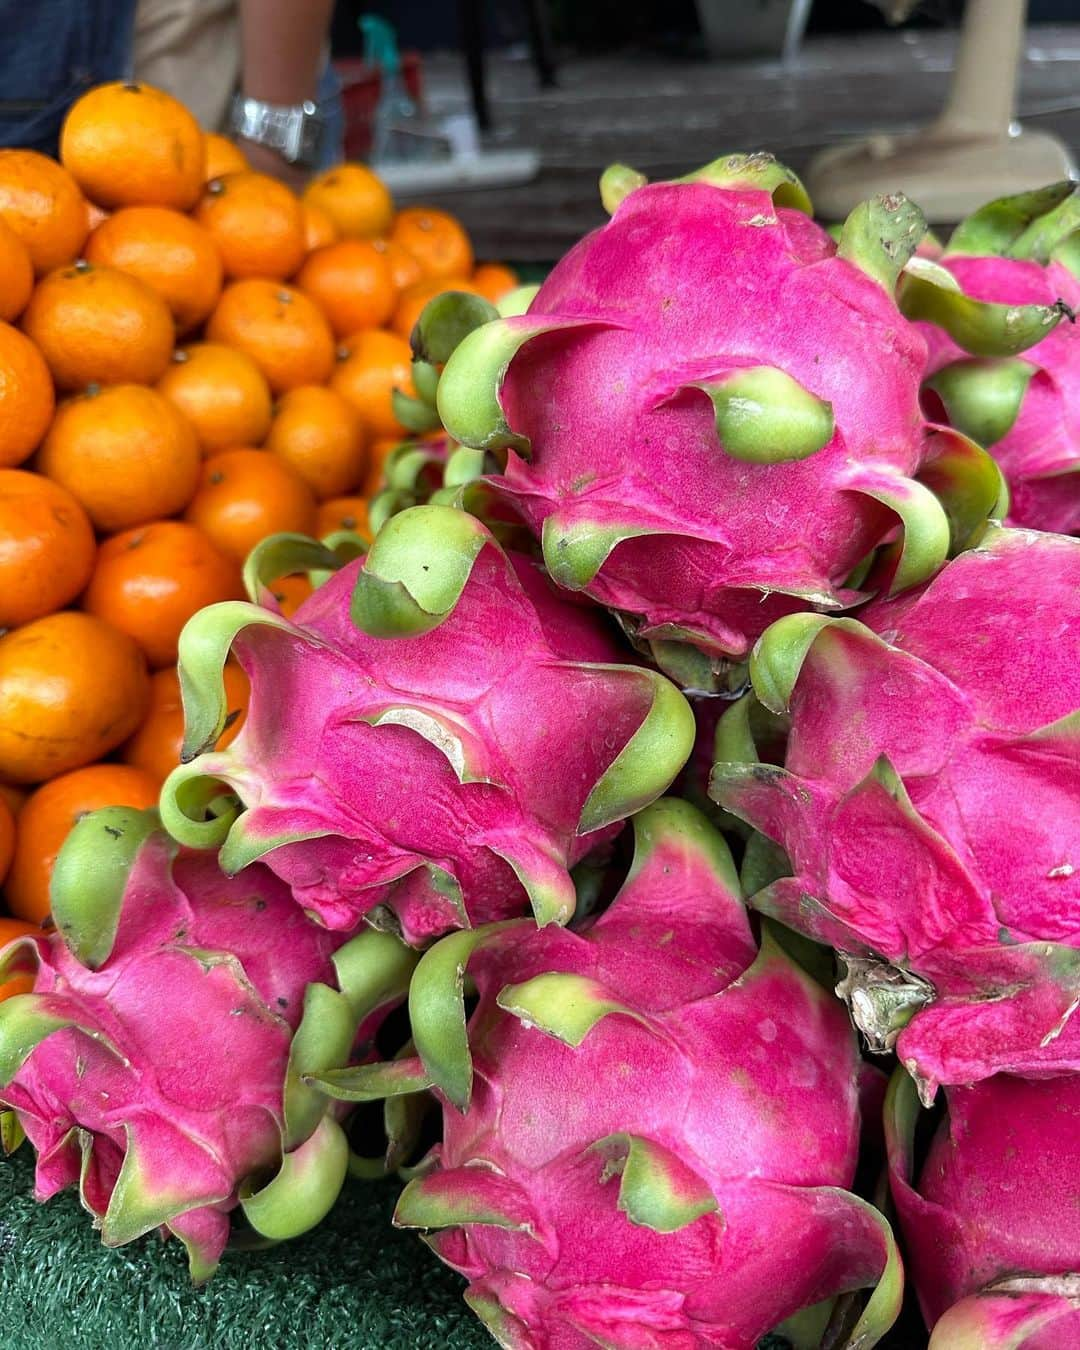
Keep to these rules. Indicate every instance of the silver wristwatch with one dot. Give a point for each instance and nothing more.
(295, 131)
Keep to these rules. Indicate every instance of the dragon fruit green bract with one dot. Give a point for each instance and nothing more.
(930, 806)
(1024, 409)
(991, 1220)
(443, 768)
(710, 414)
(157, 1062)
(650, 1125)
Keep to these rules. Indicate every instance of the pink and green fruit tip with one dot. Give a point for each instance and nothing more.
(991, 1218)
(433, 741)
(158, 1063)
(929, 805)
(709, 415)
(651, 1122)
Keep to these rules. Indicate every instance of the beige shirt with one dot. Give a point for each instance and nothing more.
(191, 48)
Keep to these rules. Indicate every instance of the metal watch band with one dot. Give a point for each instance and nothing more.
(293, 130)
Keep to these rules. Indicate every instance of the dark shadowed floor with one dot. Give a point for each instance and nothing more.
(665, 116)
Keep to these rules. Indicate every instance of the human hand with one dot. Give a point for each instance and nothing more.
(265, 160)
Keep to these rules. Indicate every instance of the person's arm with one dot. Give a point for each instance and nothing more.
(282, 45)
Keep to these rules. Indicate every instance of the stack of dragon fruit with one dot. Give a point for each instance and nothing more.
(694, 757)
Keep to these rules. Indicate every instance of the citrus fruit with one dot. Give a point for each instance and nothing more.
(46, 547)
(405, 271)
(256, 223)
(378, 452)
(371, 365)
(494, 280)
(222, 156)
(169, 251)
(96, 325)
(355, 199)
(71, 689)
(47, 818)
(290, 593)
(150, 580)
(343, 513)
(14, 797)
(16, 273)
(26, 396)
(280, 328)
(7, 849)
(319, 433)
(42, 203)
(351, 283)
(222, 393)
(20, 983)
(319, 229)
(244, 495)
(133, 145)
(125, 453)
(412, 300)
(436, 240)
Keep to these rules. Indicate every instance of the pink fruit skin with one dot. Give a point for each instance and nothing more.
(998, 1200)
(687, 283)
(180, 1045)
(1040, 454)
(1010, 1321)
(737, 1063)
(976, 886)
(354, 814)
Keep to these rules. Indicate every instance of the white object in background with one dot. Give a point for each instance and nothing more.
(974, 152)
(741, 28)
(485, 168)
(446, 156)
(462, 133)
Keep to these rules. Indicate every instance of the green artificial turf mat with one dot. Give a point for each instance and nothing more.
(354, 1283)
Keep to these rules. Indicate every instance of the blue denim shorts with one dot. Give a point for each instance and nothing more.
(51, 52)
(332, 150)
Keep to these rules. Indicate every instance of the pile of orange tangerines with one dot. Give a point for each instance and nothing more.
(192, 357)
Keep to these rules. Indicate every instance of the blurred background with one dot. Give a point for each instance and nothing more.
(666, 85)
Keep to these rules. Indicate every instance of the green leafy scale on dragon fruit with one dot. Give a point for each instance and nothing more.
(1037, 441)
(155, 1063)
(434, 779)
(930, 807)
(651, 1125)
(710, 416)
(991, 1219)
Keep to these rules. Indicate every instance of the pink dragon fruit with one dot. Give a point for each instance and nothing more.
(157, 1063)
(992, 1220)
(710, 413)
(1025, 410)
(443, 763)
(930, 807)
(650, 1124)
